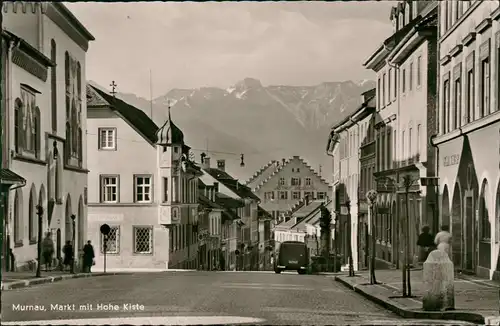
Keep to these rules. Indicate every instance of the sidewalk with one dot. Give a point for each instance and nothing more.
(476, 300)
(16, 280)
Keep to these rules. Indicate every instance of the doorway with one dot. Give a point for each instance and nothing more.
(469, 225)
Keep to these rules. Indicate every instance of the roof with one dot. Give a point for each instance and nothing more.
(262, 174)
(228, 202)
(276, 172)
(312, 217)
(134, 116)
(205, 201)
(28, 49)
(369, 103)
(169, 133)
(69, 15)
(262, 213)
(308, 209)
(9, 177)
(287, 224)
(231, 183)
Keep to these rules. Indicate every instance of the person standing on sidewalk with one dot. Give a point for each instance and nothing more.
(426, 243)
(88, 257)
(443, 239)
(68, 255)
(47, 251)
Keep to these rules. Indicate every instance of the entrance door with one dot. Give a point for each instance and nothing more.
(469, 235)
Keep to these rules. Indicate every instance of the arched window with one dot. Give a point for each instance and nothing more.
(53, 83)
(18, 227)
(80, 147)
(79, 80)
(67, 73)
(74, 130)
(32, 224)
(58, 180)
(18, 121)
(37, 135)
(67, 145)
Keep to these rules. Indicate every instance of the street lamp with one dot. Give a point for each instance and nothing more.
(371, 196)
(407, 183)
(73, 217)
(39, 212)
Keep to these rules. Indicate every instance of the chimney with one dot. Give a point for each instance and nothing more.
(237, 183)
(206, 163)
(283, 161)
(221, 165)
(203, 155)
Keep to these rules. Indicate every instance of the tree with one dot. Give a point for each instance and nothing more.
(324, 223)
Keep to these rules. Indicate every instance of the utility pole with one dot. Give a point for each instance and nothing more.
(39, 212)
(73, 217)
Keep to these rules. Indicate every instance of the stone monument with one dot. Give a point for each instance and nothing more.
(438, 279)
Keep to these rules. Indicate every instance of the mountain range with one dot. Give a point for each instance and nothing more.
(262, 122)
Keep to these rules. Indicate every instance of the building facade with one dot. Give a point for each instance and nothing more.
(45, 120)
(148, 202)
(469, 132)
(350, 143)
(282, 184)
(405, 65)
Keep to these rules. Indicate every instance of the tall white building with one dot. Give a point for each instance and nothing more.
(45, 123)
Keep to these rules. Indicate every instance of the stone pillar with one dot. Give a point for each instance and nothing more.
(438, 279)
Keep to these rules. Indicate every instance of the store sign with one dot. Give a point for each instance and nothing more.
(451, 160)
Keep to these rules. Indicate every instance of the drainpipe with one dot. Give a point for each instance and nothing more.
(398, 94)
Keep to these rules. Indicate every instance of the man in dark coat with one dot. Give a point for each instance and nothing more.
(68, 255)
(88, 257)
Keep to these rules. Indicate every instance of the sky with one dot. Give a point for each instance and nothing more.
(191, 45)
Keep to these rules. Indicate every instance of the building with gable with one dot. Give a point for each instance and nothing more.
(281, 184)
(151, 203)
(44, 143)
(233, 195)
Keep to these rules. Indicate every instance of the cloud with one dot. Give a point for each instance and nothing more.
(218, 43)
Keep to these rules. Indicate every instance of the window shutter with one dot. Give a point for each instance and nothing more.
(101, 192)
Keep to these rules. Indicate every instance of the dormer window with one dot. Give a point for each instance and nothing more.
(401, 20)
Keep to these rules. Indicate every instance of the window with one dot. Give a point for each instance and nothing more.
(18, 225)
(295, 181)
(382, 151)
(379, 95)
(419, 70)
(296, 195)
(307, 181)
(395, 87)
(73, 80)
(113, 241)
(403, 152)
(107, 138)
(410, 77)
(32, 218)
(403, 81)
(418, 142)
(321, 195)
(18, 122)
(485, 87)
(269, 195)
(165, 189)
(410, 149)
(458, 104)
(389, 77)
(471, 99)
(29, 124)
(446, 105)
(109, 189)
(53, 84)
(282, 181)
(394, 144)
(498, 71)
(383, 90)
(143, 189)
(143, 240)
(308, 194)
(298, 170)
(388, 155)
(283, 195)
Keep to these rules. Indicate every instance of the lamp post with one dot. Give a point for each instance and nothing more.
(39, 212)
(349, 236)
(407, 183)
(371, 196)
(73, 237)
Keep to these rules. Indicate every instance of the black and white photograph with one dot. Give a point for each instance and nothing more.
(250, 162)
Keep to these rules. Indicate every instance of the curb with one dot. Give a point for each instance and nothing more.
(50, 279)
(400, 310)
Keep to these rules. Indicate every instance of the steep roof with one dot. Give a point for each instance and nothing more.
(231, 183)
(134, 116)
(312, 216)
(282, 166)
(262, 174)
(169, 133)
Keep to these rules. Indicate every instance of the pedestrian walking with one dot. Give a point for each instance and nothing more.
(48, 251)
(443, 239)
(68, 255)
(88, 257)
(426, 243)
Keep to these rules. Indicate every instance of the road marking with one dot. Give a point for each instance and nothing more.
(171, 320)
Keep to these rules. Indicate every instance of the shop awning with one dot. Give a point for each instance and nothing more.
(7, 177)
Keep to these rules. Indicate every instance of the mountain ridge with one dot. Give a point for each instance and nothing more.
(262, 122)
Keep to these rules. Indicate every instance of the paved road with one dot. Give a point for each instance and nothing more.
(183, 298)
